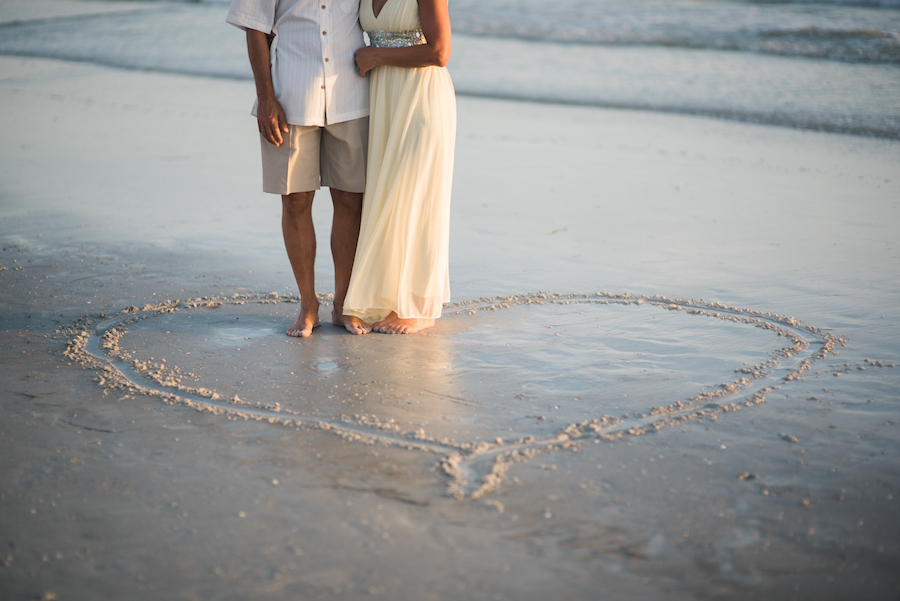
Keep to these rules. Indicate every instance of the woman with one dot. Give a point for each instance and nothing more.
(400, 274)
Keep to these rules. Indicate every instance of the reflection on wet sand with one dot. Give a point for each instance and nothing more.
(409, 381)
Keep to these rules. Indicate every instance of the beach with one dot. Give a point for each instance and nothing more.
(669, 369)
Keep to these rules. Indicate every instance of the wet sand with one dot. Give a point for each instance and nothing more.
(669, 370)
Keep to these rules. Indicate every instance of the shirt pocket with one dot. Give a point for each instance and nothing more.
(350, 6)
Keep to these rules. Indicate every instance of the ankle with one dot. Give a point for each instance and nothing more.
(309, 308)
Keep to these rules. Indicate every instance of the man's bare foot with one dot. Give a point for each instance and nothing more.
(353, 324)
(306, 322)
(394, 325)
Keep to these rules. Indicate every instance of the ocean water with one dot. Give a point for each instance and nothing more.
(832, 66)
(866, 32)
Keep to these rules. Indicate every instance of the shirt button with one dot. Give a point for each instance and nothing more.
(324, 32)
(326, 60)
(323, 87)
(323, 7)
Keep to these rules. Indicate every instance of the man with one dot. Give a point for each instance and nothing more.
(312, 111)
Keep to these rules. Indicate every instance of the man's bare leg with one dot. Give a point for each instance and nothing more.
(394, 325)
(344, 236)
(300, 243)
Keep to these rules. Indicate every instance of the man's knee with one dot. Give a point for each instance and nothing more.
(346, 202)
(298, 202)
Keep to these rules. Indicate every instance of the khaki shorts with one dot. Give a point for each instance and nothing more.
(312, 156)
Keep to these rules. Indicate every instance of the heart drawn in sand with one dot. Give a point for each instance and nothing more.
(500, 380)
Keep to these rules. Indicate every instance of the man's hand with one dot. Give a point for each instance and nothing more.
(271, 121)
(269, 115)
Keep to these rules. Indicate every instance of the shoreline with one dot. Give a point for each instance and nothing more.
(789, 91)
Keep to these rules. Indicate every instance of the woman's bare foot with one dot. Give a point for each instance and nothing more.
(394, 325)
(353, 324)
(306, 322)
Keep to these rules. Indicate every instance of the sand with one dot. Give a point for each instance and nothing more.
(670, 368)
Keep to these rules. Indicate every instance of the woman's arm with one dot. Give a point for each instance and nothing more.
(269, 115)
(435, 18)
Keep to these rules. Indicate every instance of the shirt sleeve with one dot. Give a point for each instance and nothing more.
(252, 14)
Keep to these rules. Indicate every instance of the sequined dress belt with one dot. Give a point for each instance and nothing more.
(395, 39)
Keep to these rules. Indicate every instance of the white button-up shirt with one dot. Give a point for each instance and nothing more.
(313, 56)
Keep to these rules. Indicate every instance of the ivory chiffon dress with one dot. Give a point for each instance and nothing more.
(402, 258)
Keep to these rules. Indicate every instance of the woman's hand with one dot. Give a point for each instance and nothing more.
(367, 58)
